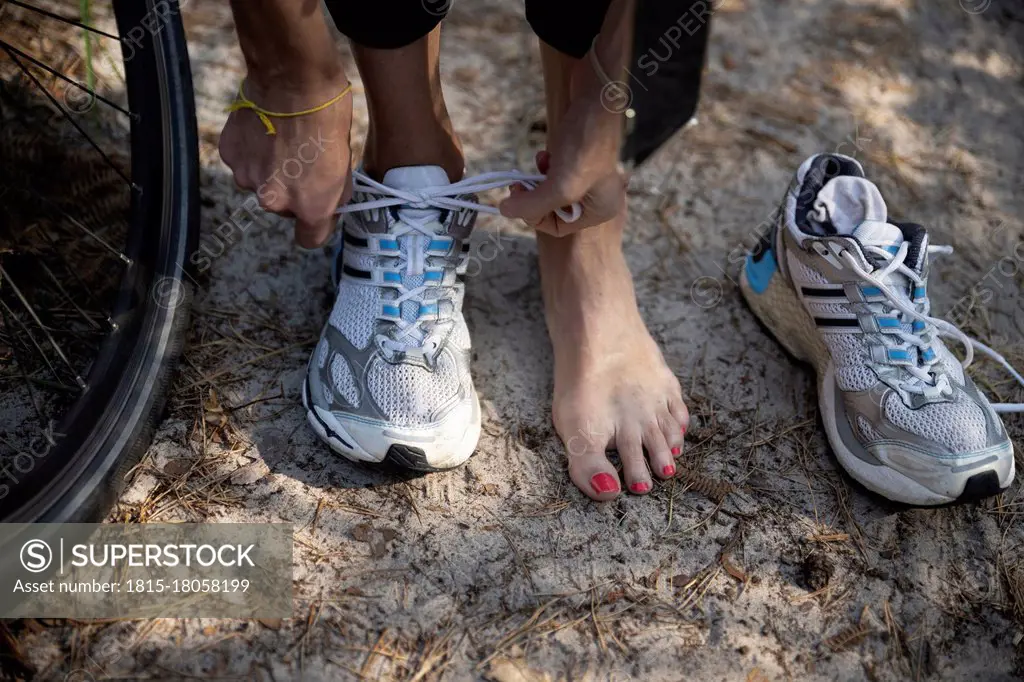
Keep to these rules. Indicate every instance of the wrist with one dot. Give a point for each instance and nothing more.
(287, 89)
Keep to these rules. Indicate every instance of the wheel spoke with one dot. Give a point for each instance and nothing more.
(63, 291)
(67, 116)
(49, 69)
(71, 219)
(8, 315)
(49, 337)
(72, 22)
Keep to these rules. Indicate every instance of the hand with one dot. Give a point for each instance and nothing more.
(304, 171)
(581, 164)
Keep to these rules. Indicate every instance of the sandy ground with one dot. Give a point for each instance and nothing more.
(763, 562)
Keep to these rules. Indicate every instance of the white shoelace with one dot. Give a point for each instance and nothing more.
(410, 335)
(922, 380)
(444, 197)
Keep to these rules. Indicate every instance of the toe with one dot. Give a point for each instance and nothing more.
(589, 468)
(664, 440)
(596, 478)
(677, 408)
(630, 444)
(673, 433)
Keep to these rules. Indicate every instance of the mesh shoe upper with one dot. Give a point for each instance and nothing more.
(899, 382)
(396, 347)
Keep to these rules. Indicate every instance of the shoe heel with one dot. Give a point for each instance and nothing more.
(782, 314)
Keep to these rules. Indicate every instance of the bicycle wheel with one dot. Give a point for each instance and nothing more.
(99, 210)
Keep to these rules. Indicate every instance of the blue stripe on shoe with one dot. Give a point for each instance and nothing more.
(389, 244)
(928, 355)
(439, 244)
(392, 277)
(918, 326)
(429, 309)
(888, 323)
(433, 276)
(896, 354)
(871, 291)
(892, 249)
(392, 311)
(759, 272)
(919, 292)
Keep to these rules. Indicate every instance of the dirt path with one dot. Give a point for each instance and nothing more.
(765, 563)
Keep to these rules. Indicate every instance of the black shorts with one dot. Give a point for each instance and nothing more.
(569, 26)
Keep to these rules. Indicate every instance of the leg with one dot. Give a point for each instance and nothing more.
(612, 387)
(396, 45)
(409, 122)
(390, 381)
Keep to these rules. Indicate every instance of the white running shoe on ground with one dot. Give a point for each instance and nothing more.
(845, 289)
(389, 380)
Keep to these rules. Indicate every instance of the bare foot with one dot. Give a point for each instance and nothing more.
(613, 390)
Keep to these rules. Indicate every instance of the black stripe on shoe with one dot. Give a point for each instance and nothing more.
(837, 322)
(822, 292)
(353, 272)
(356, 241)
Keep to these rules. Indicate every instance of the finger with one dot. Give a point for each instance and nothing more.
(549, 225)
(346, 194)
(543, 161)
(242, 182)
(630, 446)
(313, 230)
(273, 202)
(534, 205)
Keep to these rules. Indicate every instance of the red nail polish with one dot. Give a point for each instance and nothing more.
(669, 471)
(675, 452)
(604, 483)
(682, 429)
(640, 487)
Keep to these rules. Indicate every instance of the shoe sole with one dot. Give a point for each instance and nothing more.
(399, 456)
(782, 314)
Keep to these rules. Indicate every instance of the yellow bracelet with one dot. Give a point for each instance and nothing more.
(243, 102)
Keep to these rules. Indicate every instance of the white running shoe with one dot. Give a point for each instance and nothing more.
(842, 287)
(389, 380)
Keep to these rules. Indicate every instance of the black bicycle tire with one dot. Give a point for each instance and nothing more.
(86, 470)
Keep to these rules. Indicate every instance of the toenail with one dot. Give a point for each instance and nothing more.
(604, 483)
(675, 453)
(641, 487)
(682, 429)
(669, 471)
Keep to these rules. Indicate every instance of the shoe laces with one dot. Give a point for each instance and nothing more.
(924, 377)
(419, 225)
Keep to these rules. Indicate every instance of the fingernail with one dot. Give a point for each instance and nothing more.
(675, 452)
(669, 471)
(640, 487)
(682, 429)
(604, 483)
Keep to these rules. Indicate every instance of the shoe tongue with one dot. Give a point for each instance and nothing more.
(416, 177)
(889, 237)
(878, 233)
(848, 202)
(413, 178)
